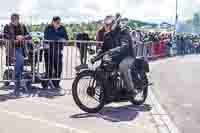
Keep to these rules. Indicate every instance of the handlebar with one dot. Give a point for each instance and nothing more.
(96, 58)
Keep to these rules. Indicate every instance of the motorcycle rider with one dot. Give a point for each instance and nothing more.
(119, 42)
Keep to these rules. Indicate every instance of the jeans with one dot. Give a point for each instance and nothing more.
(19, 66)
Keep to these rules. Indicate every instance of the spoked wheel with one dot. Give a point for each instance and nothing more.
(141, 97)
(87, 92)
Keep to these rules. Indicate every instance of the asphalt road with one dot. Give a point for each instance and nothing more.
(177, 87)
(42, 114)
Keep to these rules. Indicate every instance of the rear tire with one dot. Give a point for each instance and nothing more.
(76, 95)
(144, 92)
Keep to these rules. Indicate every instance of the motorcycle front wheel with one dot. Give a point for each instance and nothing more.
(87, 92)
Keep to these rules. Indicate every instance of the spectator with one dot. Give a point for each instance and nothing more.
(156, 46)
(55, 33)
(169, 45)
(179, 42)
(16, 31)
(188, 45)
(82, 36)
(195, 40)
(182, 45)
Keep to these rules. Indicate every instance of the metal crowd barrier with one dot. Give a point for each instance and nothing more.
(60, 58)
(49, 60)
(42, 61)
(15, 61)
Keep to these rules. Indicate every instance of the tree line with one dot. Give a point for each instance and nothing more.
(90, 27)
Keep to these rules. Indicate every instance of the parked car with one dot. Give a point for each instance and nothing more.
(39, 35)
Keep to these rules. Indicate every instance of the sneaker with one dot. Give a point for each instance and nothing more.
(17, 93)
(26, 92)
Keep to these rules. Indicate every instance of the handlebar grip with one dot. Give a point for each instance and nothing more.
(95, 59)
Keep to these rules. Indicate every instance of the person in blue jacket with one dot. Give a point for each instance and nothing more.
(56, 34)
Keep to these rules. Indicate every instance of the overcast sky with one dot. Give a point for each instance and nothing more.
(79, 10)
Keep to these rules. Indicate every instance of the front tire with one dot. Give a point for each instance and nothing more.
(75, 92)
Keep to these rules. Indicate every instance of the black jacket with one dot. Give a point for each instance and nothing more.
(120, 42)
(82, 37)
(54, 36)
(11, 31)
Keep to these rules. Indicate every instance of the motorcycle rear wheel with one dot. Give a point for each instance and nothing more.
(144, 92)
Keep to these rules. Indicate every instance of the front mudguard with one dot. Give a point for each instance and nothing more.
(81, 68)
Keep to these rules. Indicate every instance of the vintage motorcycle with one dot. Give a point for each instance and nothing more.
(94, 87)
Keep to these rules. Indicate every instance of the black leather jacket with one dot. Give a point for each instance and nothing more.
(119, 42)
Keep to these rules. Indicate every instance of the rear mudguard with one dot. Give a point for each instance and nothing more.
(141, 65)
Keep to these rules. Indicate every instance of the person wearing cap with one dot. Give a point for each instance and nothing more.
(16, 31)
(55, 34)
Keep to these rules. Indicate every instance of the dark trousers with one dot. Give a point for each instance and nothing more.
(83, 53)
(53, 65)
(182, 49)
(198, 49)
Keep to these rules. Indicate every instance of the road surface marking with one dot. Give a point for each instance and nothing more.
(165, 124)
(59, 106)
(100, 115)
(28, 117)
(49, 123)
